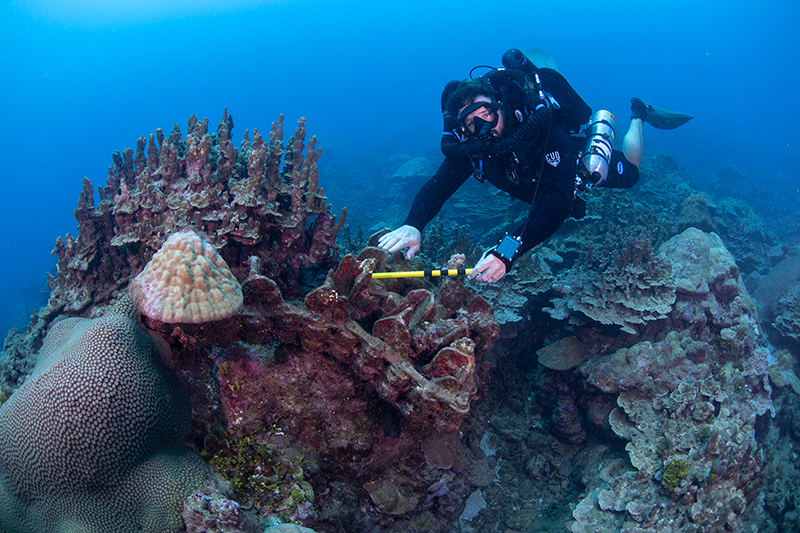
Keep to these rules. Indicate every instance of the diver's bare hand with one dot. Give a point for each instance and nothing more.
(403, 237)
(489, 269)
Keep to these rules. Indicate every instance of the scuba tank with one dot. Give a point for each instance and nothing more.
(594, 159)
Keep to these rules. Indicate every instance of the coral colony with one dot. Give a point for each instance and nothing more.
(211, 359)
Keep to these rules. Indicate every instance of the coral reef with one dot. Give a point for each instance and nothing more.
(563, 354)
(404, 335)
(355, 377)
(212, 509)
(617, 381)
(751, 241)
(260, 205)
(778, 297)
(634, 286)
(352, 374)
(414, 171)
(787, 315)
(715, 334)
(695, 397)
(99, 410)
(782, 366)
(782, 485)
(438, 247)
(272, 481)
(261, 199)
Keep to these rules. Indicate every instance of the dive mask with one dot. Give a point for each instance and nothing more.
(481, 128)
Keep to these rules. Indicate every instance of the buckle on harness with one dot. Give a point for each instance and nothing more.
(477, 166)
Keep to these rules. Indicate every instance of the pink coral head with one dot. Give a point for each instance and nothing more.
(187, 281)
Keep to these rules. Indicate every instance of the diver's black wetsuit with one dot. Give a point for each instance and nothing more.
(554, 197)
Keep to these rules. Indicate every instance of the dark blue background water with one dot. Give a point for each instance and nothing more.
(79, 83)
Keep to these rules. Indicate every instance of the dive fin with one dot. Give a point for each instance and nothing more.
(657, 117)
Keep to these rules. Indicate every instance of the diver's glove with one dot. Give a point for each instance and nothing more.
(451, 87)
(403, 237)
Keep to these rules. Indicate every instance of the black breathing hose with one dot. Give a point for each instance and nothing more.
(526, 134)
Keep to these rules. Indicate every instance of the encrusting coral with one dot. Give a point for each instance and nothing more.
(635, 286)
(694, 397)
(186, 281)
(92, 440)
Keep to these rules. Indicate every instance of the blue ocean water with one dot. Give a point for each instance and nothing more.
(81, 81)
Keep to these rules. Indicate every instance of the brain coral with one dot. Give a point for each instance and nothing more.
(91, 442)
(187, 281)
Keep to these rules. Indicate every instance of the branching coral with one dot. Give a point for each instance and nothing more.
(262, 199)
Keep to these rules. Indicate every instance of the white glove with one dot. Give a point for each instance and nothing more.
(403, 237)
(490, 269)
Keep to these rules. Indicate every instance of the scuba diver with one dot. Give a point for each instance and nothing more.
(526, 131)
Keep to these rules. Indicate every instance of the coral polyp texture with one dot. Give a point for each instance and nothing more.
(92, 440)
(187, 281)
(260, 199)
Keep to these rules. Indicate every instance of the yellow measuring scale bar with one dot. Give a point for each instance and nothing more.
(422, 273)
